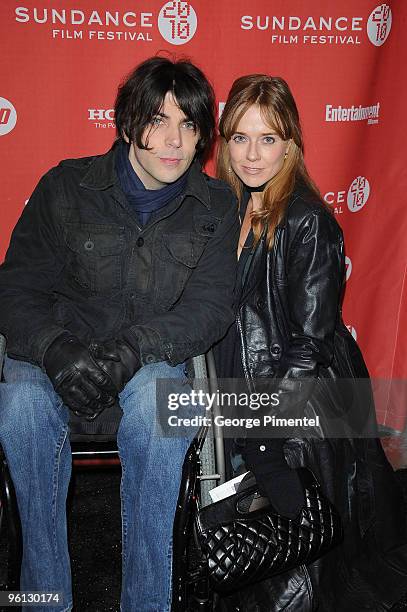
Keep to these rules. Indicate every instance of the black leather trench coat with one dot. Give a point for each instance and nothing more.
(290, 327)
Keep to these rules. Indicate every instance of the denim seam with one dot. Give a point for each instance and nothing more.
(124, 515)
(57, 457)
(169, 574)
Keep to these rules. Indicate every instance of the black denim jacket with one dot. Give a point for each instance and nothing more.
(79, 261)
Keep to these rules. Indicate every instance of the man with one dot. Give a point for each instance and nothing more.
(120, 268)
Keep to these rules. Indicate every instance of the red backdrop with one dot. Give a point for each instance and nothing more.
(345, 61)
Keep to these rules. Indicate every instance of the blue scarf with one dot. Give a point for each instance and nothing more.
(144, 201)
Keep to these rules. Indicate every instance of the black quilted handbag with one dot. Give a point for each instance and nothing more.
(244, 540)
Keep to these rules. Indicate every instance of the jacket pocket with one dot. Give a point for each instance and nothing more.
(95, 254)
(179, 255)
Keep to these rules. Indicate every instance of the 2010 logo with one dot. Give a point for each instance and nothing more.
(379, 24)
(8, 116)
(177, 22)
(352, 330)
(348, 266)
(358, 194)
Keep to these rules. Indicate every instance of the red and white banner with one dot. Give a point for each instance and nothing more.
(345, 62)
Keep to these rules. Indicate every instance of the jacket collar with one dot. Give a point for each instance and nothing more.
(102, 174)
(255, 270)
(299, 189)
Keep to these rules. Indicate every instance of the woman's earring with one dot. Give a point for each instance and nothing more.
(286, 155)
(230, 170)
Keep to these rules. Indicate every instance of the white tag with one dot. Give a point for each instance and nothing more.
(226, 489)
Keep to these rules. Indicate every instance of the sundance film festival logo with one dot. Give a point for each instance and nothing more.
(90, 23)
(307, 30)
(317, 29)
(355, 197)
(335, 199)
(8, 116)
(177, 22)
(379, 24)
(358, 194)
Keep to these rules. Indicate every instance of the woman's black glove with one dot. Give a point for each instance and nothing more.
(275, 479)
(117, 359)
(82, 385)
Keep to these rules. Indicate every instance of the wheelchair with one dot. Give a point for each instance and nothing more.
(203, 468)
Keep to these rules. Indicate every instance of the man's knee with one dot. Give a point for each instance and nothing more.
(144, 401)
(24, 405)
(148, 375)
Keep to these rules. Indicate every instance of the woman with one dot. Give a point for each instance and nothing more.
(289, 327)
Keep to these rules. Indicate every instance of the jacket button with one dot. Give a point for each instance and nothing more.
(275, 349)
(150, 358)
(140, 241)
(261, 303)
(89, 245)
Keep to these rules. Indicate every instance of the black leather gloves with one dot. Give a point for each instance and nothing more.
(118, 360)
(88, 380)
(275, 478)
(83, 386)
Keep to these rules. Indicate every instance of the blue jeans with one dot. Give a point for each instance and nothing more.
(34, 436)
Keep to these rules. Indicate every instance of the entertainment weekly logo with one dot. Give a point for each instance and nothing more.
(339, 114)
(323, 30)
(8, 116)
(176, 22)
(355, 197)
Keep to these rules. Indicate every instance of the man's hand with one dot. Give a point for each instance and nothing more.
(117, 359)
(83, 386)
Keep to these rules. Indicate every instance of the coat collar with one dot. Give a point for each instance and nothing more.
(255, 270)
(101, 175)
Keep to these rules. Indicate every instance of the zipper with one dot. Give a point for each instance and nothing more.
(279, 311)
